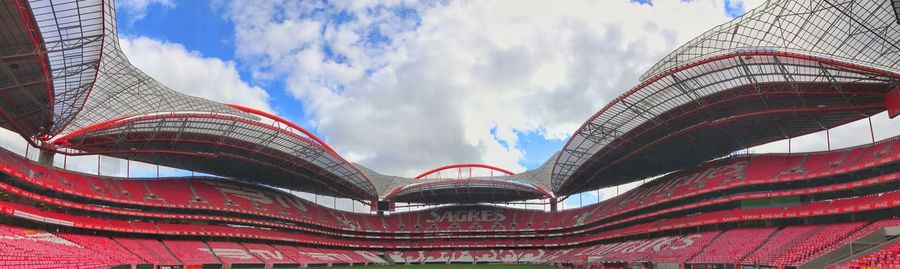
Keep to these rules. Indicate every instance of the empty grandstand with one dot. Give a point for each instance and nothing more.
(786, 69)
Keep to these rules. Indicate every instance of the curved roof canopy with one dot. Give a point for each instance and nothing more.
(466, 183)
(473, 190)
(26, 92)
(788, 68)
(462, 171)
(226, 145)
(896, 4)
(99, 103)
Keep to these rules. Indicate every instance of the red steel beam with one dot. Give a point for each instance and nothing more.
(282, 121)
(36, 43)
(674, 70)
(729, 120)
(464, 165)
(485, 181)
(93, 82)
(64, 140)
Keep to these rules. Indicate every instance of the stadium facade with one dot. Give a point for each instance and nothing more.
(786, 69)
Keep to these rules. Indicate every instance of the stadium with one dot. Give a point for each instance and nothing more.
(783, 70)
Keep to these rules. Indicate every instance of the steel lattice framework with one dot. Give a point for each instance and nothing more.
(896, 4)
(26, 92)
(538, 177)
(458, 184)
(460, 169)
(102, 104)
(75, 34)
(787, 68)
(384, 184)
(269, 153)
(466, 191)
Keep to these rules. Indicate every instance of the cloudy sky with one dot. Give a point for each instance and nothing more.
(403, 86)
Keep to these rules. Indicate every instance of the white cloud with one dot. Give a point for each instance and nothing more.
(137, 9)
(185, 71)
(176, 67)
(455, 82)
(191, 73)
(751, 4)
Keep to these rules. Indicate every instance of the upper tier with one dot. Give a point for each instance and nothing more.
(759, 78)
(715, 183)
(785, 69)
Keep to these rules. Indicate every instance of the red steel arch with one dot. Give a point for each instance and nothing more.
(465, 165)
(560, 180)
(433, 189)
(283, 121)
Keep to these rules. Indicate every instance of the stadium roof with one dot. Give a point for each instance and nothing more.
(896, 4)
(466, 191)
(788, 68)
(102, 104)
(457, 183)
(785, 69)
(25, 86)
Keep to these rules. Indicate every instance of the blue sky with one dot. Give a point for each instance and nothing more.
(200, 26)
(321, 81)
(733, 8)
(408, 86)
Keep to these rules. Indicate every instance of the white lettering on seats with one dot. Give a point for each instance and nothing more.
(248, 194)
(466, 216)
(369, 256)
(328, 256)
(233, 253)
(687, 241)
(267, 255)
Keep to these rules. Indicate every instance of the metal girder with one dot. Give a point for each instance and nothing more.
(749, 76)
(720, 124)
(466, 191)
(896, 5)
(250, 137)
(834, 84)
(770, 66)
(850, 41)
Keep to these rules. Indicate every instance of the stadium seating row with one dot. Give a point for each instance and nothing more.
(747, 170)
(471, 256)
(470, 213)
(789, 246)
(27, 248)
(822, 208)
(228, 196)
(228, 210)
(888, 257)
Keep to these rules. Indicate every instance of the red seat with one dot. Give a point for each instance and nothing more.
(151, 251)
(191, 252)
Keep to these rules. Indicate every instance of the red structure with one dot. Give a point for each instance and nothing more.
(759, 78)
(892, 98)
(462, 171)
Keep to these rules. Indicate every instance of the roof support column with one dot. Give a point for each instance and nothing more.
(46, 155)
(871, 130)
(553, 202)
(373, 207)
